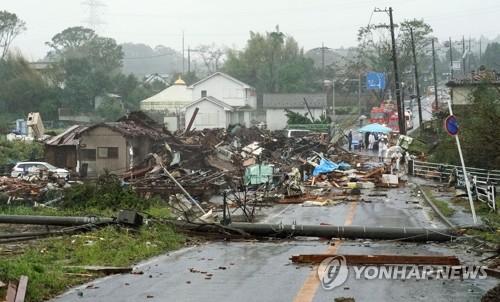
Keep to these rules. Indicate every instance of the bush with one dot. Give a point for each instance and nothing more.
(106, 193)
(12, 152)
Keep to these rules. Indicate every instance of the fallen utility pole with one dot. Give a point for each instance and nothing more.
(379, 259)
(53, 220)
(351, 232)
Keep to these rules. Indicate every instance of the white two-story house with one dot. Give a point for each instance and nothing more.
(221, 101)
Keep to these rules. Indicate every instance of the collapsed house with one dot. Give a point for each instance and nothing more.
(112, 146)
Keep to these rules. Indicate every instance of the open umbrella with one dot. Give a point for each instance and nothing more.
(375, 128)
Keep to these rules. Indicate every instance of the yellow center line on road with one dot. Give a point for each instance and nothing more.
(311, 285)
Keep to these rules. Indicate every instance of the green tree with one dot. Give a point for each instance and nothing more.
(491, 56)
(85, 65)
(375, 51)
(132, 91)
(23, 89)
(110, 110)
(479, 131)
(272, 62)
(10, 27)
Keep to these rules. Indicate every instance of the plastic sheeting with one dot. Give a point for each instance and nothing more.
(325, 166)
(258, 174)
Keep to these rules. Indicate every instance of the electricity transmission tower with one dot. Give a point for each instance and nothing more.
(93, 19)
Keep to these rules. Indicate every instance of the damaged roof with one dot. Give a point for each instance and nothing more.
(68, 138)
(294, 100)
(131, 128)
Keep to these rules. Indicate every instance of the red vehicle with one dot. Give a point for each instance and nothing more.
(387, 115)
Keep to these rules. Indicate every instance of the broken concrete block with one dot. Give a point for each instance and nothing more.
(390, 179)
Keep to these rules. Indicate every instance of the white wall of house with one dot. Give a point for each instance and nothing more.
(226, 90)
(240, 117)
(209, 116)
(276, 118)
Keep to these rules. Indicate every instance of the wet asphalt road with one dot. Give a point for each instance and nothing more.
(261, 270)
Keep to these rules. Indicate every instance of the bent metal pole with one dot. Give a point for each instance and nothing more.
(464, 170)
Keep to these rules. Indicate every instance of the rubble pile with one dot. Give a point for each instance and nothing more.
(258, 167)
(17, 188)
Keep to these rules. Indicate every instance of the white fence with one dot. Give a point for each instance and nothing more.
(484, 182)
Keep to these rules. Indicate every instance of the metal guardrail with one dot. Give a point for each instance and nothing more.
(484, 182)
(485, 192)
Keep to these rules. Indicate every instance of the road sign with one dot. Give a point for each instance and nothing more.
(375, 80)
(451, 125)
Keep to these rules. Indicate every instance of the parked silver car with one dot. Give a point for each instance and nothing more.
(34, 168)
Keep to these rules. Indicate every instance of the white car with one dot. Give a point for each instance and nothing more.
(34, 168)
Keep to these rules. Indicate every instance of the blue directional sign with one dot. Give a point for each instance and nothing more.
(451, 125)
(375, 80)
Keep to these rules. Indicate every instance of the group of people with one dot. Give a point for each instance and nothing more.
(371, 141)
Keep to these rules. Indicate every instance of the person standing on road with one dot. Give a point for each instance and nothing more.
(371, 141)
(349, 139)
(382, 149)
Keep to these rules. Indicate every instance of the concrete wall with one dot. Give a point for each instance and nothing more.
(227, 91)
(276, 118)
(209, 116)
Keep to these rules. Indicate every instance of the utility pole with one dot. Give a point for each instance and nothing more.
(323, 61)
(434, 75)
(401, 117)
(451, 61)
(189, 59)
(469, 53)
(359, 93)
(463, 55)
(480, 50)
(183, 70)
(416, 77)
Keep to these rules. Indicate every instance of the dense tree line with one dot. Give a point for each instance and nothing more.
(82, 66)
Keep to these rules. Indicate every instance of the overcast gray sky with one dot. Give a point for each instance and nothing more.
(227, 22)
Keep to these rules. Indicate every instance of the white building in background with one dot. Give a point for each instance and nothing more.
(171, 99)
(275, 105)
(222, 101)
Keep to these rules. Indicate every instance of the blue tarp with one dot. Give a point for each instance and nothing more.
(344, 166)
(325, 166)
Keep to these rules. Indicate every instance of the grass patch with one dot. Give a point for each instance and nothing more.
(492, 222)
(442, 205)
(44, 263)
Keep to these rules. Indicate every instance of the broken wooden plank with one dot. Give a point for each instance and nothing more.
(108, 270)
(21, 289)
(374, 172)
(11, 292)
(492, 272)
(380, 259)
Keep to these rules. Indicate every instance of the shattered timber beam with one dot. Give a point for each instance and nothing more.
(380, 259)
(351, 232)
